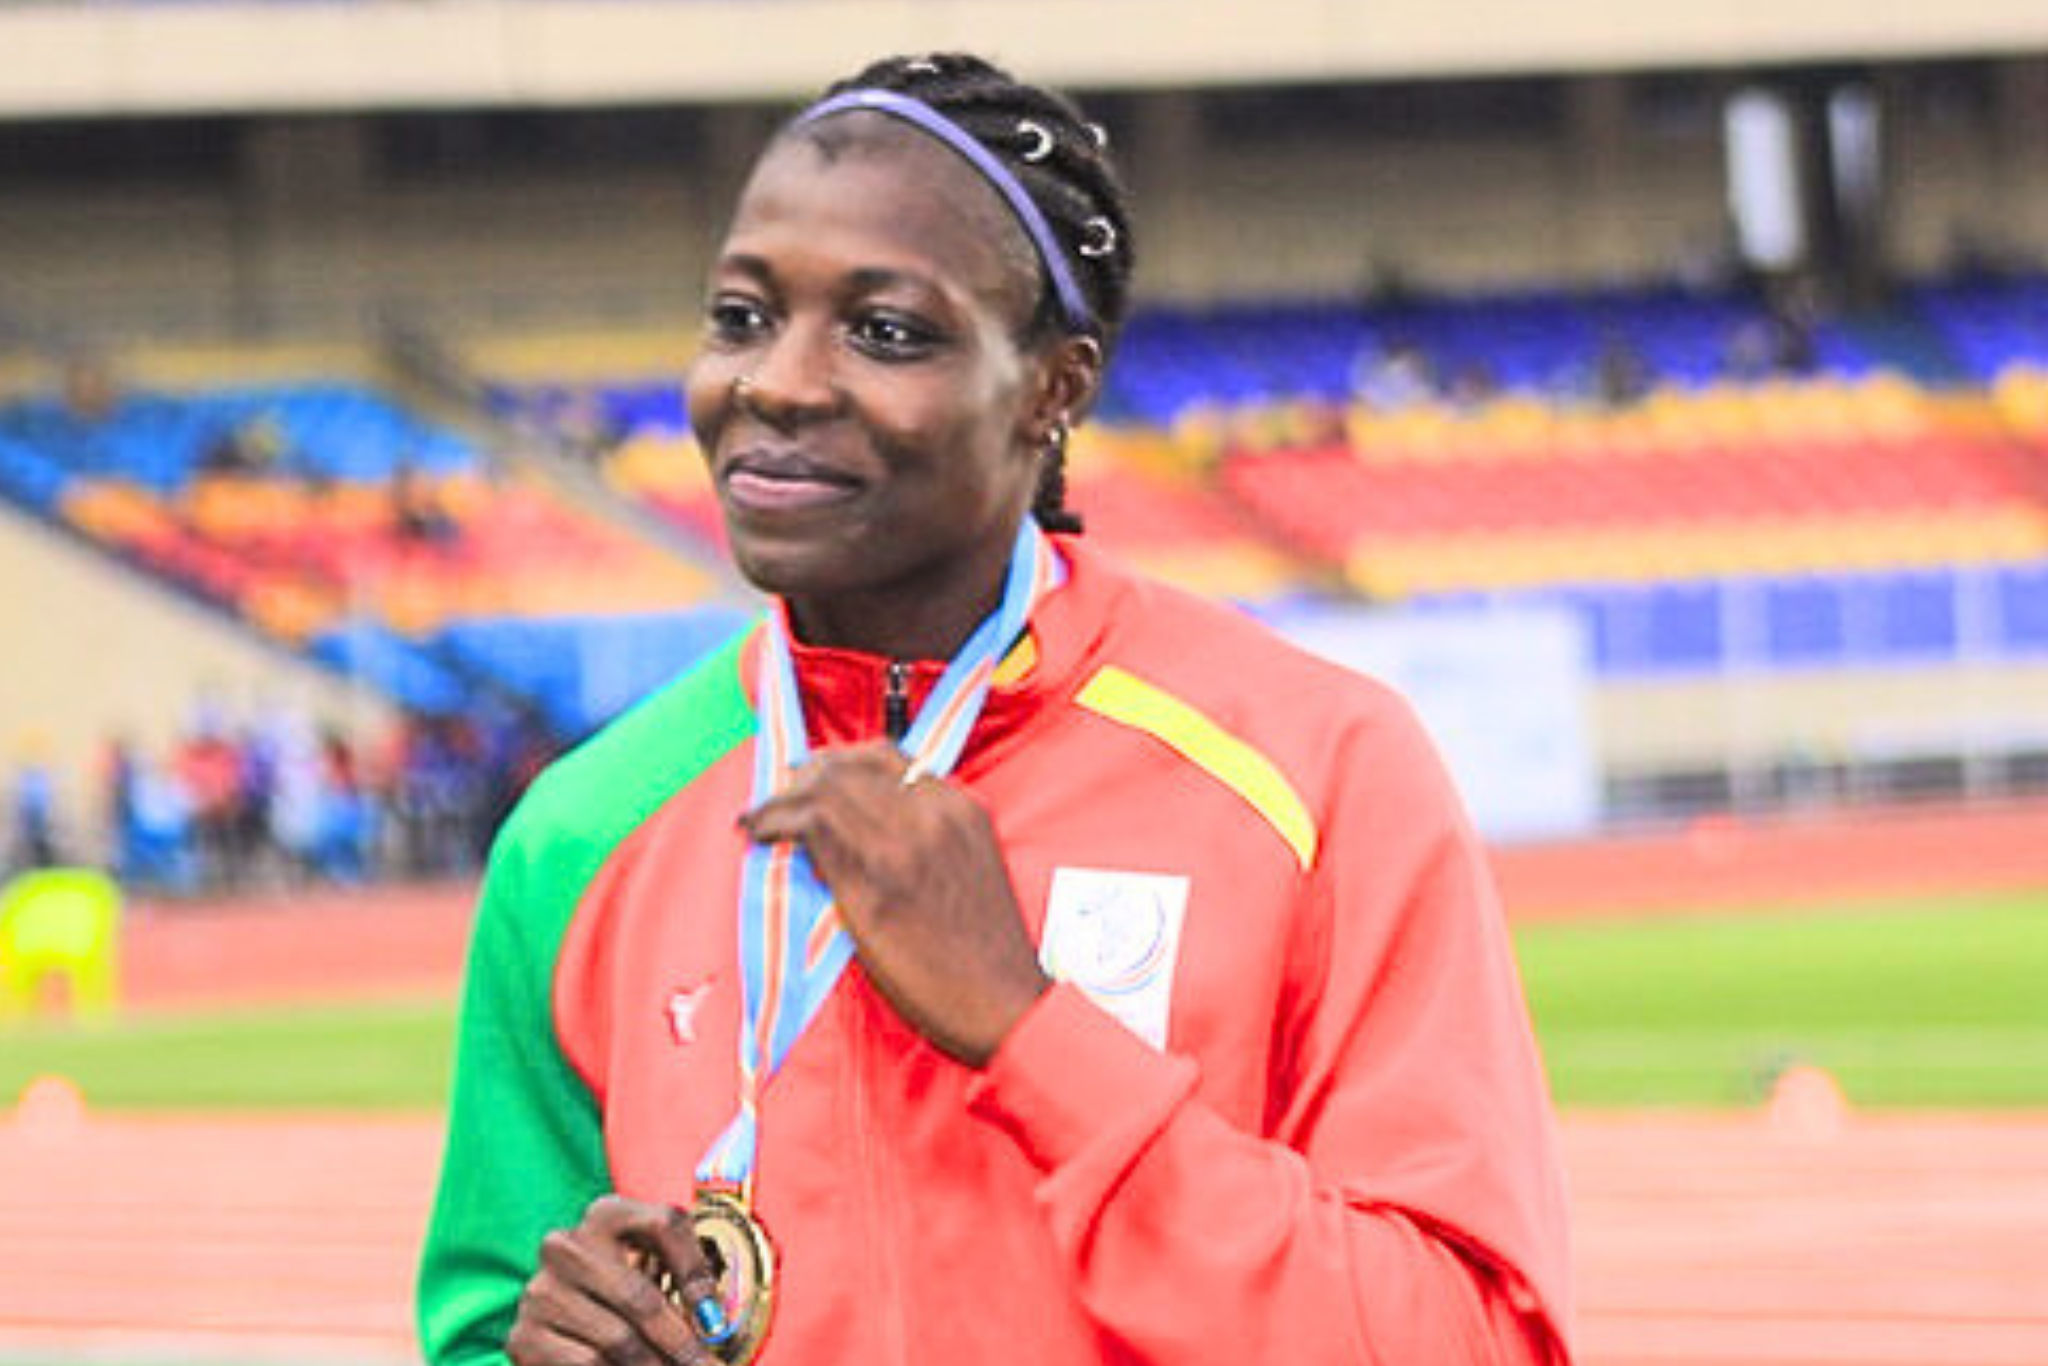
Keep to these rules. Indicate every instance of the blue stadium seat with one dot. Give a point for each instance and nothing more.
(30, 478)
(1534, 340)
(1915, 616)
(583, 671)
(393, 665)
(2021, 592)
(1804, 621)
(330, 430)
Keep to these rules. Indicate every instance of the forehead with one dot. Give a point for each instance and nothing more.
(873, 190)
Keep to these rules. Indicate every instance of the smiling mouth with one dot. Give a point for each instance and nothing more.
(773, 482)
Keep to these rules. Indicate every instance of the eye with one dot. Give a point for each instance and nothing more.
(733, 319)
(894, 336)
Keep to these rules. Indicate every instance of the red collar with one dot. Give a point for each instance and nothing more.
(844, 691)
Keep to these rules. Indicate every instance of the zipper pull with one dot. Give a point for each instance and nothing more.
(896, 700)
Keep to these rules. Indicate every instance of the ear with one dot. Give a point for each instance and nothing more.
(1069, 382)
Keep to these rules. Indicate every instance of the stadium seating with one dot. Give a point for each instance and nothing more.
(1990, 325)
(1128, 484)
(1841, 507)
(1174, 360)
(316, 431)
(1850, 514)
(1811, 621)
(28, 476)
(1648, 508)
(340, 524)
(584, 667)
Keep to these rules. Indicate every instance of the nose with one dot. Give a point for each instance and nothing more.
(792, 377)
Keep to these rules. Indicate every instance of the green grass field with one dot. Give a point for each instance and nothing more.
(1922, 1003)
(1927, 1003)
(381, 1056)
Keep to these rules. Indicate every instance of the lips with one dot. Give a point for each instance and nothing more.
(770, 481)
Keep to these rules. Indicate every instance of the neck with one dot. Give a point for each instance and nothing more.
(929, 616)
(931, 624)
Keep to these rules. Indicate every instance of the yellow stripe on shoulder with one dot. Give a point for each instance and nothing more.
(1129, 700)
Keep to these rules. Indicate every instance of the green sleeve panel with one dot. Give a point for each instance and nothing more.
(525, 1152)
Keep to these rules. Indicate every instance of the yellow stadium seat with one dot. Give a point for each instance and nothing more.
(115, 510)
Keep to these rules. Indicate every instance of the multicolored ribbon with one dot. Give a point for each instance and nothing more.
(792, 947)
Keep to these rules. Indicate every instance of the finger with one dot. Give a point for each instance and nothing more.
(609, 1304)
(558, 1329)
(780, 819)
(686, 1277)
(601, 1264)
(670, 1258)
(843, 836)
(857, 768)
(831, 803)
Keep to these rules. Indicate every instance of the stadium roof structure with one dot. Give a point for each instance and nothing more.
(248, 56)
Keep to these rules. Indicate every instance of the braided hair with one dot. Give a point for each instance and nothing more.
(1062, 160)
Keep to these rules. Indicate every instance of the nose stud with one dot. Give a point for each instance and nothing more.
(743, 389)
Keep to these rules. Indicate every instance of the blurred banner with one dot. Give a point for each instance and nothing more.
(1504, 693)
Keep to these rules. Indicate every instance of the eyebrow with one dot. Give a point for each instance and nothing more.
(864, 280)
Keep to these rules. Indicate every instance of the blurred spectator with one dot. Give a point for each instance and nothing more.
(1977, 255)
(1772, 347)
(118, 777)
(256, 447)
(349, 831)
(90, 392)
(150, 824)
(1709, 262)
(434, 794)
(512, 749)
(208, 770)
(416, 511)
(234, 807)
(1749, 354)
(33, 838)
(299, 798)
(1393, 376)
(1621, 377)
(318, 819)
(1782, 342)
(586, 430)
(256, 757)
(1472, 387)
(1383, 286)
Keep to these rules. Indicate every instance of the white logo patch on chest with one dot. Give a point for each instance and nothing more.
(1116, 936)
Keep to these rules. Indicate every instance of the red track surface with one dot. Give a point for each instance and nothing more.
(1701, 1240)
(1792, 861)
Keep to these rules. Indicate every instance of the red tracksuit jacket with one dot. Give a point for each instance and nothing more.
(1283, 1105)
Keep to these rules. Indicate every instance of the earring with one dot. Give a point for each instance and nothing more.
(1056, 440)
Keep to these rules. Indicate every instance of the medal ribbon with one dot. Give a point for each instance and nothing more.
(792, 947)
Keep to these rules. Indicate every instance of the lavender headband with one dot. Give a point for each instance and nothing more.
(1072, 302)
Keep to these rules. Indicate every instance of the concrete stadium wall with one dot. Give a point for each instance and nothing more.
(159, 258)
(307, 234)
(1309, 214)
(1966, 164)
(247, 56)
(1824, 716)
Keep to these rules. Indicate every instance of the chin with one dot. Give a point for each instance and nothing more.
(793, 569)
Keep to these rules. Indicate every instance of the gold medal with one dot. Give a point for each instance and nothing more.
(741, 1260)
